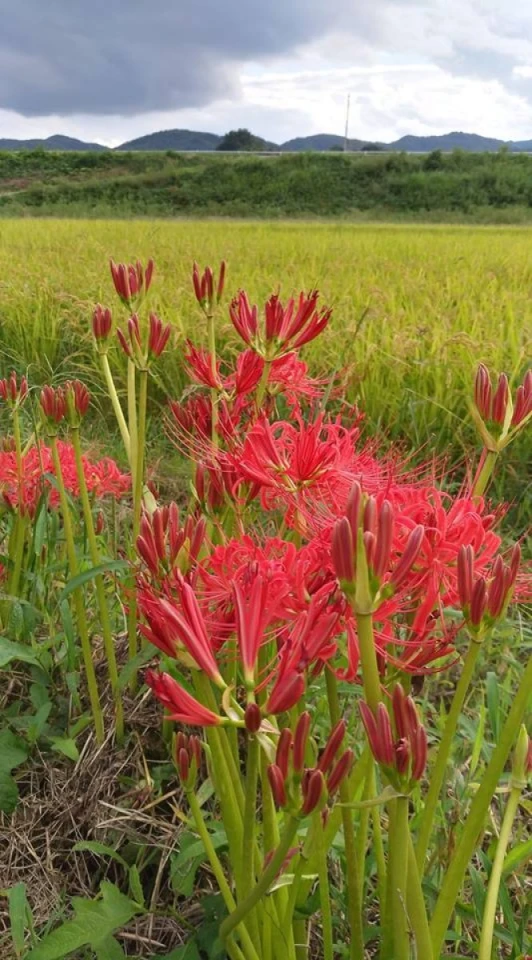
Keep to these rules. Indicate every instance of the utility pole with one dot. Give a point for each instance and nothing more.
(346, 137)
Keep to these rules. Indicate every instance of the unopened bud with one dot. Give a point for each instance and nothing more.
(313, 792)
(252, 718)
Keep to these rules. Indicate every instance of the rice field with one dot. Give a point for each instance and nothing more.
(415, 308)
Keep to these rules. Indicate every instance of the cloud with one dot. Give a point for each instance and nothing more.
(133, 56)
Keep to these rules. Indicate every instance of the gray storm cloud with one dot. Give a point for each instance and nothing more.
(132, 56)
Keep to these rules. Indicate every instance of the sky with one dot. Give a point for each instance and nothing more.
(112, 70)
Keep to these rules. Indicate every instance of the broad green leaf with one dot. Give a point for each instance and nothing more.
(66, 746)
(13, 751)
(110, 566)
(92, 846)
(109, 949)
(15, 622)
(8, 793)
(95, 921)
(9, 650)
(19, 909)
(520, 853)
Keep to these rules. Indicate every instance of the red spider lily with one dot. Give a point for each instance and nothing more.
(77, 401)
(169, 625)
(158, 336)
(201, 368)
(332, 747)
(182, 707)
(494, 407)
(207, 292)
(144, 346)
(340, 771)
(131, 281)
(252, 718)
(187, 753)
(284, 328)
(289, 376)
(402, 751)
(523, 401)
(103, 477)
(13, 392)
(251, 614)
(297, 787)
(164, 544)
(53, 407)
(102, 324)
(485, 600)
(248, 372)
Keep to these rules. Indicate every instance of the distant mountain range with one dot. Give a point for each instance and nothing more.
(183, 140)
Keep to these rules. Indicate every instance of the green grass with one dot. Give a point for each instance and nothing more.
(433, 187)
(415, 309)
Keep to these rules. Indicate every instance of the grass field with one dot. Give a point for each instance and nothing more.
(415, 308)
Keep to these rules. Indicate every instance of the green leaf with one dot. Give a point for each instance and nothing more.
(9, 650)
(110, 566)
(8, 793)
(492, 696)
(135, 885)
(130, 669)
(188, 951)
(102, 849)
(479, 739)
(19, 909)
(520, 853)
(37, 723)
(387, 794)
(13, 751)
(15, 622)
(40, 530)
(66, 746)
(109, 949)
(94, 923)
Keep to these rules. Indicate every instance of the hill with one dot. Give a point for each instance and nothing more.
(173, 140)
(57, 142)
(449, 141)
(321, 141)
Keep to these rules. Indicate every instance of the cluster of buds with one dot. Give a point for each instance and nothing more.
(131, 281)
(208, 292)
(187, 753)
(102, 326)
(53, 408)
(77, 401)
(401, 751)
(301, 789)
(497, 416)
(285, 328)
(361, 551)
(143, 349)
(164, 545)
(485, 600)
(12, 392)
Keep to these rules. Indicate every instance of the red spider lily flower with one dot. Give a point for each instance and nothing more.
(300, 742)
(523, 401)
(182, 707)
(402, 751)
(289, 376)
(484, 600)
(53, 405)
(286, 692)
(313, 791)
(11, 391)
(164, 544)
(187, 754)
(77, 401)
(251, 614)
(201, 367)
(102, 325)
(340, 771)
(170, 626)
(131, 281)
(285, 328)
(252, 718)
(207, 292)
(158, 336)
(248, 372)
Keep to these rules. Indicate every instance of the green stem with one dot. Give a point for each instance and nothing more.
(490, 906)
(325, 896)
(79, 604)
(263, 383)
(248, 834)
(437, 773)
(368, 659)
(265, 881)
(107, 634)
(132, 415)
(19, 539)
(417, 912)
(486, 467)
(211, 335)
(398, 841)
(218, 872)
(138, 441)
(473, 825)
(353, 871)
(117, 406)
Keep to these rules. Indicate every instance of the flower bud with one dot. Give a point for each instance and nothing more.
(300, 742)
(252, 718)
(284, 747)
(332, 747)
(312, 792)
(340, 771)
(277, 786)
